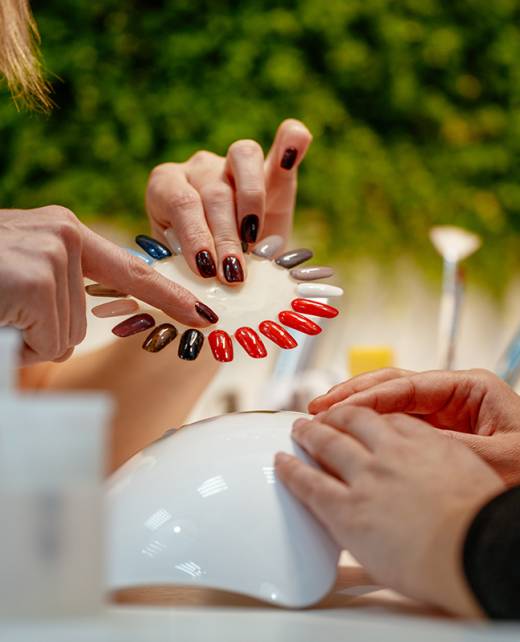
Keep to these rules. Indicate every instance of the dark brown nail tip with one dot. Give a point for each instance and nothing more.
(97, 289)
(233, 271)
(190, 344)
(160, 337)
(206, 312)
(245, 247)
(205, 264)
(133, 325)
(289, 158)
(249, 228)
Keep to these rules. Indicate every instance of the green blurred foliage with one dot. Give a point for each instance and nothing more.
(414, 106)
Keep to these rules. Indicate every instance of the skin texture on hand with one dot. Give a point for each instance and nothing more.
(474, 407)
(397, 495)
(214, 203)
(45, 253)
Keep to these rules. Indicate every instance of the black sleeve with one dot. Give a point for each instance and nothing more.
(492, 556)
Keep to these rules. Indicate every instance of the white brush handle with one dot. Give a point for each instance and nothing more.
(448, 316)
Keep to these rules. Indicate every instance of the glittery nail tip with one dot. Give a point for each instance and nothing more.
(299, 322)
(152, 247)
(314, 308)
(221, 346)
(320, 290)
(269, 247)
(277, 335)
(115, 308)
(160, 337)
(133, 325)
(294, 257)
(312, 273)
(205, 264)
(97, 289)
(233, 271)
(190, 344)
(251, 342)
(289, 158)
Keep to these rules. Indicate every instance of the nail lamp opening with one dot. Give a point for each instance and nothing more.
(203, 507)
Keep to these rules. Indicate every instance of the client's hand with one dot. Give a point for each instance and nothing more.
(214, 204)
(396, 494)
(473, 406)
(44, 254)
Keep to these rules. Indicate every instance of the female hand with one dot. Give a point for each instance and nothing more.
(397, 495)
(45, 253)
(473, 406)
(214, 204)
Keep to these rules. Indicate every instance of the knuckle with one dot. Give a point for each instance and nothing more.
(245, 148)
(186, 199)
(252, 193)
(203, 157)
(216, 193)
(226, 241)
(138, 270)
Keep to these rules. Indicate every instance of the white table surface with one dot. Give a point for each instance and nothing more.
(355, 611)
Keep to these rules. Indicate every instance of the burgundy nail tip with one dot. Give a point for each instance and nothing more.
(298, 322)
(249, 228)
(251, 342)
(277, 335)
(289, 158)
(133, 325)
(314, 308)
(206, 312)
(205, 264)
(221, 346)
(233, 271)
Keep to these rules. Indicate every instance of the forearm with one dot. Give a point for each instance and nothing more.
(153, 392)
(492, 556)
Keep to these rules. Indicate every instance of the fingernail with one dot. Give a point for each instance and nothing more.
(289, 158)
(251, 342)
(298, 423)
(190, 344)
(268, 247)
(249, 228)
(294, 257)
(133, 325)
(281, 458)
(299, 322)
(96, 289)
(144, 257)
(152, 247)
(206, 312)
(312, 273)
(245, 247)
(172, 240)
(206, 264)
(319, 290)
(233, 270)
(277, 334)
(314, 308)
(160, 337)
(115, 308)
(221, 345)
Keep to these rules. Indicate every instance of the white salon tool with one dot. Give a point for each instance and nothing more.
(454, 244)
(203, 507)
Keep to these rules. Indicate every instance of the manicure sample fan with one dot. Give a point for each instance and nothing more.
(278, 295)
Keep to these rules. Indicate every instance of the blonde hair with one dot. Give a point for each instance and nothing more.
(20, 60)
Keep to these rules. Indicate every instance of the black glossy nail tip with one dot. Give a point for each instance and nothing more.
(206, 264)
(152, 247)
(190, 345)
(249, 228)
(233, 272)
(289, 158)
(206, 312)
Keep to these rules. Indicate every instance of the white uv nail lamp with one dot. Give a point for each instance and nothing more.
(203, 507)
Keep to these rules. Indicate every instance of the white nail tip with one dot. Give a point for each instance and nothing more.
(318, 290)
(172, 240)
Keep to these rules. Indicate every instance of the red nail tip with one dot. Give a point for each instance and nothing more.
(133, 325)
(277, 334)
(314, 308)
(251, 342)
(299, 322)
(221, 345)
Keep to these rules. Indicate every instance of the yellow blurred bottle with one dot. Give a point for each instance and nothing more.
(366, 358)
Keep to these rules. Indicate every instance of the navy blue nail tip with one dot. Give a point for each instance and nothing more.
(191, 344)
(152, 247)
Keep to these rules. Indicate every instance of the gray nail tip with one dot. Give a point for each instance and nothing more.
(312, 273)
(268, 247)
(294, 257)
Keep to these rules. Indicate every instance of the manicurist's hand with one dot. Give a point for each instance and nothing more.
(44, 255)
(395, 493)
(213, 204)
(473, 406)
